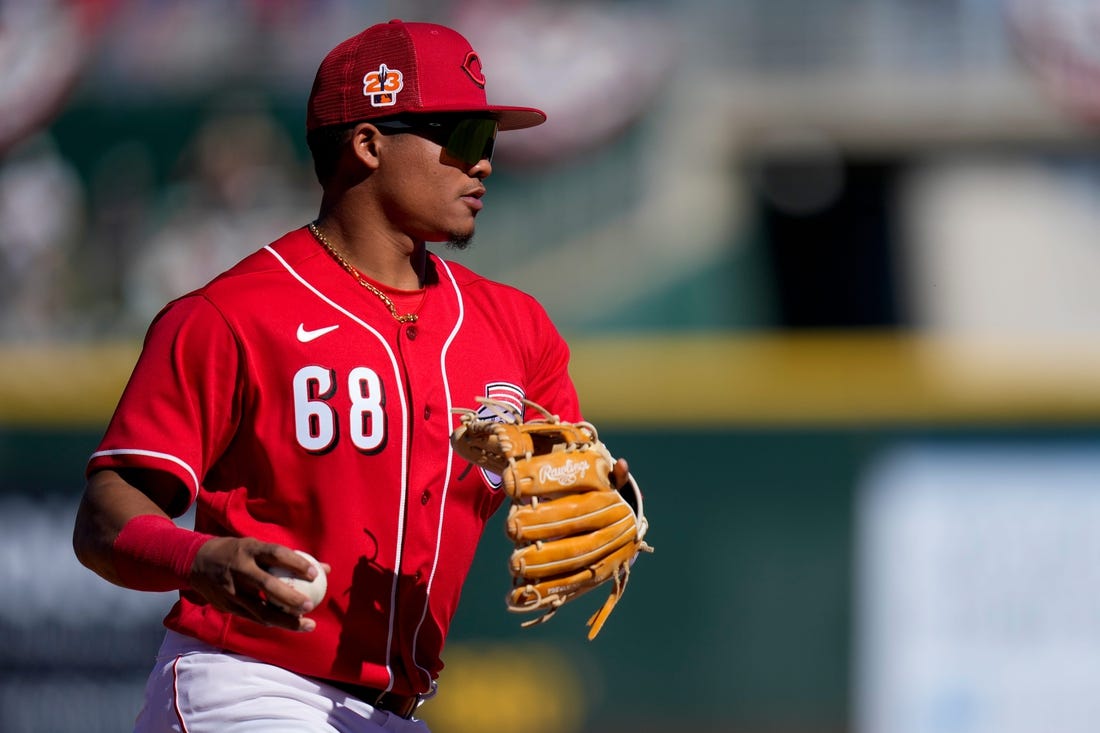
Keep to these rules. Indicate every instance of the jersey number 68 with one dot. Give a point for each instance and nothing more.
(316, 424)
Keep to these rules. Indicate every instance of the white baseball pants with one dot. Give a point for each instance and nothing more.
(197, 688)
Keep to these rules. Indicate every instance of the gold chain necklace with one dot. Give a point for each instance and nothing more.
(406, 318)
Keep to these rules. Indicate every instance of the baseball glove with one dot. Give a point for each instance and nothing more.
(572, 528)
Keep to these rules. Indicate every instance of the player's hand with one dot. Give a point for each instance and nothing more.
(620, 473)
(231, 573)
(620, 479)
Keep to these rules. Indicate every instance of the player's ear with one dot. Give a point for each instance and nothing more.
(365, 143)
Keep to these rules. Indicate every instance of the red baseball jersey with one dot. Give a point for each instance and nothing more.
(295, 409)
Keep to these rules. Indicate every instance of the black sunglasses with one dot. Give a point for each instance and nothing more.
(468, 139)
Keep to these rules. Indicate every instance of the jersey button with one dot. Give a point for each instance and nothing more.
(411, 333)
(425, 497)
(427, 412)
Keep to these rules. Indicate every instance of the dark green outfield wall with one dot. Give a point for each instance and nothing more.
(741, 620)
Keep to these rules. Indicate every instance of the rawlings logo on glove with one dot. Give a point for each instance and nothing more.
(566, 475)
(572, 528)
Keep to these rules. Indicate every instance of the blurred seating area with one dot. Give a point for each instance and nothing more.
(687, 154)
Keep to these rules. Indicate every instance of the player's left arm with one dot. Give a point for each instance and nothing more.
(551, 385)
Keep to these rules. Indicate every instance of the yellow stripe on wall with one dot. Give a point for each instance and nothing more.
(835, 378)
(695, 380)
(63, 385)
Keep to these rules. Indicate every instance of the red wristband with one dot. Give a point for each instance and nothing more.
(152, 553)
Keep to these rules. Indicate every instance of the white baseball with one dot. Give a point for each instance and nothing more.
(313, 589)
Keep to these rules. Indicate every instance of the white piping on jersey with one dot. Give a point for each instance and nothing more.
(450, 459)
(153, 454)
(404, 449)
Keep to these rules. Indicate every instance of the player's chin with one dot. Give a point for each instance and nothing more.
(460, 241)
(460, 235)
(457, 232)
(454, 238)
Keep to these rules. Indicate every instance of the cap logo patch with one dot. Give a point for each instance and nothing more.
(472, 67)
(382, 86)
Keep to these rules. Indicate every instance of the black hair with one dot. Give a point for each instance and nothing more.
(325, 144)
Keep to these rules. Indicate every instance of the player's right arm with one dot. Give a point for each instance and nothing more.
(176, 415)
(108, 504)
(126, 535)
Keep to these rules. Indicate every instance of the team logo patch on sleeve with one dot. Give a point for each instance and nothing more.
(503, 392)
(382, 85)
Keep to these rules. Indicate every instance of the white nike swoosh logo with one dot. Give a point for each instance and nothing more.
(306, 336)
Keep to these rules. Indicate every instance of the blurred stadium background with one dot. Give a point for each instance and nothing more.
(830, 272)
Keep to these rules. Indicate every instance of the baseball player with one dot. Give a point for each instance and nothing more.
(303, 400)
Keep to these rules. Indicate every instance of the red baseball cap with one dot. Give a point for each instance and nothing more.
(400, 68)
